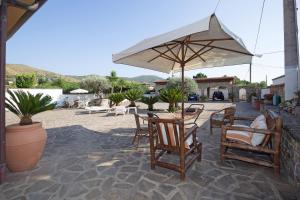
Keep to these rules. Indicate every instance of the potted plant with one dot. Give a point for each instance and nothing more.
(150, 101)
(25, 141)
(171, 96)
(133, 95)
(116, 98)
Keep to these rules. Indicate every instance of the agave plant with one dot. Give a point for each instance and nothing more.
(150, 101)
(25, 105)
(116, 98)
(133, 95)
(171, 96)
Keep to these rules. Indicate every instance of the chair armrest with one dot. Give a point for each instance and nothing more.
(190, 131)
(216, 112)
(252, 130)
(201, 106)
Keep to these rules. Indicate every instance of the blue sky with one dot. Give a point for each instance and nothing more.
(78, 37)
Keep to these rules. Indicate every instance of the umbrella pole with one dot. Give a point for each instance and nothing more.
(182, 90)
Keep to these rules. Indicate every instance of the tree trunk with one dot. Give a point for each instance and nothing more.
(150, 107)
(25, 120)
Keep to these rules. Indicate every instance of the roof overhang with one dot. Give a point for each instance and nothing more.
(18, 12)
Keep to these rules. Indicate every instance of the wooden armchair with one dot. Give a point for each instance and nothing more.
(222, 117)
(269, 145)
(141, 130)
(172, 137)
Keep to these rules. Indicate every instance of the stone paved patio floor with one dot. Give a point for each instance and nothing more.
(91, 157)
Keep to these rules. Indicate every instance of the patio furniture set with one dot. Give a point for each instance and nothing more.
(168, 133)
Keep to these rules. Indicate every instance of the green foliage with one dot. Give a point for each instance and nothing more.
(116, 98)
(249, 98)
(200, 75)
(243, 83)
(171, 96)
(133, 95)
(95, 85)
(25, 80)
(25, 105)
(203, 98)
(150, 101)
(65, 85)
(113, 80)
(190, 85)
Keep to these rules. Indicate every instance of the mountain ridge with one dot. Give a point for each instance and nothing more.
(13, 69)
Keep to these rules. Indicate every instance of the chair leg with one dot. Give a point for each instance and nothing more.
(211, 129)
(222, 153)
(138, 141)
(199, 149)
(136, 132)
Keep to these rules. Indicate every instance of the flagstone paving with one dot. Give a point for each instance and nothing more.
(91, 157)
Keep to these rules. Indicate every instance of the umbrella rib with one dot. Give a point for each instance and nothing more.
(162, 52)
(176, 57)
(163, 55)
(222, 48)
(217, 39)
(196, 54)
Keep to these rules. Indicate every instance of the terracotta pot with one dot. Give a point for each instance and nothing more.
(24, 146)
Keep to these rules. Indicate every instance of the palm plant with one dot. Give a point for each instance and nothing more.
(171, 96)
(25, 105)
(150, 100)
(133, 95)
(116, 98)
(113, 80)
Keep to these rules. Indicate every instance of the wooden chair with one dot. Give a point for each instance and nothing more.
(194, 107)
(173, 138)
(222, 117)
(269, 146)
(141, 130)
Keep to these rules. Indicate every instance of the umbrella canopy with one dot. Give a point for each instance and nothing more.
(203, 44)
(79, 91)
(18, 12)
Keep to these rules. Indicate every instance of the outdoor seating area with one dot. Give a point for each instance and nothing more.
(86, 159)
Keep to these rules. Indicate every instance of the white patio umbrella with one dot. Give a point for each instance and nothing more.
(79, 91)
(203, 44)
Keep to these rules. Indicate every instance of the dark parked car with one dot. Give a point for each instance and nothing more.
(218, 95)
(193, 97)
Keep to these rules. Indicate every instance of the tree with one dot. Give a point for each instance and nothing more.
(200, 75)
(95, 85)
(190, 85)
(67, 86)
(25, 80)
(121, 84)
(113, 79)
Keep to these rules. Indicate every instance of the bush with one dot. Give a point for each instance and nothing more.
(133, 95)
(171, 96)
(253, 94)
(96, 85)
(203, 98)
(150, 101)
(25, 80)
(65, 85)
(116, 98)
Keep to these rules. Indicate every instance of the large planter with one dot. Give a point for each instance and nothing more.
(24, 146)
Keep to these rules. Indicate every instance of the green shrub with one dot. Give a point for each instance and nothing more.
(203, 98)
(25, 80)
(150, 101)
(116, 98)
(171, 96)
(253, 94)
(133, 95)
(25, 105)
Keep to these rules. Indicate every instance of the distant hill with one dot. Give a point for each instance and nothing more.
(13, 69)
(145, 78)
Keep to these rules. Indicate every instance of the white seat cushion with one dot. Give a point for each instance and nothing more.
(258, 123)
(241, 136)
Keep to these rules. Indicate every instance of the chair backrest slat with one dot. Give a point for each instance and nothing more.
(176, 135)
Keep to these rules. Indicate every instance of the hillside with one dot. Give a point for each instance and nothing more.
(13, 69)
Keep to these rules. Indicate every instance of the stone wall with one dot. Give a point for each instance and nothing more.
(290, 148)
